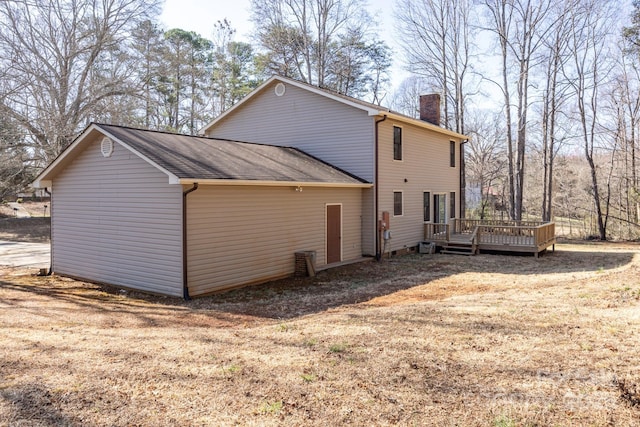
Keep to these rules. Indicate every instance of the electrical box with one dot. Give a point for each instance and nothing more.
(384, 222)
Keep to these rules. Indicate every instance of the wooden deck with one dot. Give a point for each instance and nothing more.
(472, 236)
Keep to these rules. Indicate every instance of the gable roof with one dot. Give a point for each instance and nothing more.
(369, 108)
(188, 159)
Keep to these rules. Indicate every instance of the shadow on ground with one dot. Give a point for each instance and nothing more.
(35, 402)
(26, 229)
(295, 297)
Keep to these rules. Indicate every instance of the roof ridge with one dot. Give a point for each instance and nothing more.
(339, 94)
(186, 135)
(136, 128)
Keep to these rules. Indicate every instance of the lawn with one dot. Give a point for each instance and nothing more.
(490, 340)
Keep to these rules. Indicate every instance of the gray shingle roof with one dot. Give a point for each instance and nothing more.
(192, 157)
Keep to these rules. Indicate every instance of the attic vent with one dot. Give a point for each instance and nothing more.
(280, 89)
(106, 147)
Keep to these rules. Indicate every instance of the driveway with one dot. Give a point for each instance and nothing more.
(22, 254)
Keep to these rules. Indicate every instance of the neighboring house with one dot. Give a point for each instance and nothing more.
(185, 216)
(413, 164)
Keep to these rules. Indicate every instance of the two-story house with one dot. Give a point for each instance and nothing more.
(290, 168)
(414, 165)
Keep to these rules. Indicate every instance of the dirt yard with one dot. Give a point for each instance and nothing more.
(490, 340)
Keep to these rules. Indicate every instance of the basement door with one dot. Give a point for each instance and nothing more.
(334, 233)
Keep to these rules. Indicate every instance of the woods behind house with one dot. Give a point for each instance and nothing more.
(548, 91)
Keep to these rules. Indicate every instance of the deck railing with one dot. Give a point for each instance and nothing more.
(475, 240)
(436, 231)
(464, 226)
(545, 234)
(535, 235)
(506, 235)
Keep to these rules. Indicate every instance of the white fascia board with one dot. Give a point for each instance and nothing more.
(241, 182)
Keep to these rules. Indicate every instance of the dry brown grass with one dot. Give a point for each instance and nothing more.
(33, 207)
(489, 340)
(34, 229)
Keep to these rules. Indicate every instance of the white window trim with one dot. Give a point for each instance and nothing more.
(446, 206)
(393, 203)
(455, 154)
(402, 145)
(455, 204)
(431, 193)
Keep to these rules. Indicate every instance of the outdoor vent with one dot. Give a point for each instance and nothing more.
(106, 147)
(280, 89)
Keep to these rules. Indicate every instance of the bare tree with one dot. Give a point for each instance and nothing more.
(436, 41)
(554, 96)
(486, 159)
(406, 98)
(521, 26)
(317, 41)
(621, 109)
(50, 50)
(591, 24)
(15, 168)
(626, 97)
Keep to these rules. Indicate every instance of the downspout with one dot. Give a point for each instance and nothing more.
(375, 222)
(462, 181)
(185, 283)
(50, 272)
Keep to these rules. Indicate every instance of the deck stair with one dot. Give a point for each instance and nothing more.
(452, 248)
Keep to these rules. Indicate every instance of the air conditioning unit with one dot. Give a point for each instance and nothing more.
(426, 247)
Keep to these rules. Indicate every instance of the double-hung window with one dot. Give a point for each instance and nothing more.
(397, 203)
(426, 205)
(397, 143)
(452, 205)
(452, 154)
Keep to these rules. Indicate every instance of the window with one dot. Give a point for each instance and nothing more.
(397, 143)
(452, 154)
(426, 203)
(452, 205)
(439, 206)
(397, 203)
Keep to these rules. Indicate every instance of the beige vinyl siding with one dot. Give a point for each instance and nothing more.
(239, 235)
(425, 167)
(368, 222)
(336, 133)
(117, 220)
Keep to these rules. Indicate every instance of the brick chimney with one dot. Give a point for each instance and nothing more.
(430, 108)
